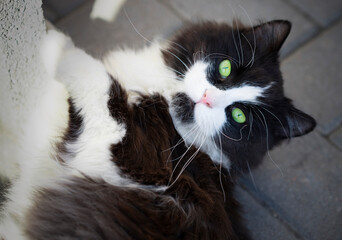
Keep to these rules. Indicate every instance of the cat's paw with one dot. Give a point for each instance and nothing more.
(53, 45)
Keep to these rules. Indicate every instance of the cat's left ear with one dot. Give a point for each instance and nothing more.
(297, 123)
(270, 36)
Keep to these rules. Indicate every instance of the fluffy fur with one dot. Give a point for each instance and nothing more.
(142, 154)
(255, 86)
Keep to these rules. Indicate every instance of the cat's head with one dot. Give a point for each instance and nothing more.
(233, 105)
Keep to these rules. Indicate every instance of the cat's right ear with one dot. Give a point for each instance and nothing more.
(297, 123)
(270, 36)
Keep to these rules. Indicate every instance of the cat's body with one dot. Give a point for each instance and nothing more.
(122, 171)
(91, 208)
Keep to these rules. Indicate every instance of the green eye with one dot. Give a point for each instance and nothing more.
(225, 68)
(238, 115)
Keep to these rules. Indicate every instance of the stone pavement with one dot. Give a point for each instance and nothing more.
(297, 192)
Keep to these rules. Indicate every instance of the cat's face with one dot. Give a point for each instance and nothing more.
(233, 105)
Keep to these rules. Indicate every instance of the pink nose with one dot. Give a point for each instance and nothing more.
(205, 99)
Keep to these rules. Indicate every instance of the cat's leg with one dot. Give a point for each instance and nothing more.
(144, 71)
(92, 129)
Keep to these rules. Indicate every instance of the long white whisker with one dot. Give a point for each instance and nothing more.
(237, 50)
(277, 119)
(174, 70)
(251, 174)
(224, 55)
(166, 50)
(183, 138)
(167, 40)
(179, 142)
(238, 30)
(220, 172)
(186, 164)
(234, 139)
(261, 121)
(174, 169)
(251, 119)
(267, 144)
(146, 39)
(254, 39)
(250, 45)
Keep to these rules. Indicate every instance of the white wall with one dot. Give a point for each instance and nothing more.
(22, 77)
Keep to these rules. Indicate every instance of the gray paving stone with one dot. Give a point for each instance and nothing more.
(307, 191)
(336, 138)
(324, 12)
(97, 37)
(260, 222)
(63, 7)
(313, 78)
(223, 10)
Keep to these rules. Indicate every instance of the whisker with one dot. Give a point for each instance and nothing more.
(254, 39)
(233, 35)
(261, 121)
(277, 119)
(236, 62)
(179, 142)
(166, 50)
(238, 30)
(250, 45)
(183, 138)
(186, 164)
(175, 71)
(251, 175)
(174, 169)
(267, 144)
(234, 139)
(251, 123)
(220, 172)
(177, 44)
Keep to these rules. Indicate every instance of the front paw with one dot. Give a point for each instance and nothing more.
(53, 44)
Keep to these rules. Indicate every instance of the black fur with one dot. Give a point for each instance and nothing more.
(73, 131)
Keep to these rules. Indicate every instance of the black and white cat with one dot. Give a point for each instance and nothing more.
(203, 107)
(120, 170)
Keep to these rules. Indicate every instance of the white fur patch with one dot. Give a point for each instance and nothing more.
(196, 82)
(88, 84)
(143, 71)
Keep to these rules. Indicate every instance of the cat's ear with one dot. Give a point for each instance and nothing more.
(270, 36)
(297, 123)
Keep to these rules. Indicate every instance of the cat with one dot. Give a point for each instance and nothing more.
(203, 107)
(155, 137)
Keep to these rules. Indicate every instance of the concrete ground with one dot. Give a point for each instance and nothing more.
(302, 197)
